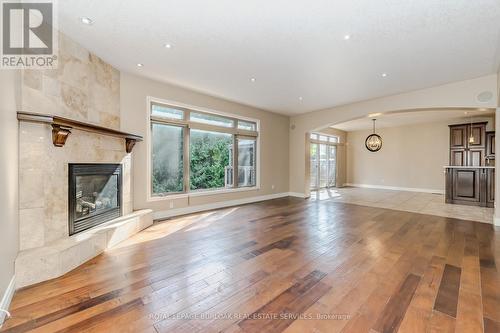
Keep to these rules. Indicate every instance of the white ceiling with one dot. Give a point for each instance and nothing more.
(293, 48)
(415, 117)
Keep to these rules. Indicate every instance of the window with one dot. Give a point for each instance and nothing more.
(167, 156)
(167, 112)
(211, 119)
(323, 161)
(314, 165)
(324, 138)
(246, 125)
(209, 159)
(323, 171)
(246, 162)
(200, 151)
(333, 139)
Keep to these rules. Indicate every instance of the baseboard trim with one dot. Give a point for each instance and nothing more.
(216, 205)
(396, 188)
(297, 195)
(7, 298)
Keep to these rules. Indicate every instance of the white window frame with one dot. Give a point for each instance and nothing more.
(326, 143)
(337, 143)
(235, 131)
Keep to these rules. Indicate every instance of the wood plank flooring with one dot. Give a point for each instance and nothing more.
(284, 265)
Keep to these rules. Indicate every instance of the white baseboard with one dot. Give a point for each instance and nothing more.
(200, 208)
(496, 221)
(396, 188)
(297, 195)
(6, 299)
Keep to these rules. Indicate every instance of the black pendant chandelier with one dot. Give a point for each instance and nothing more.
(373, 142)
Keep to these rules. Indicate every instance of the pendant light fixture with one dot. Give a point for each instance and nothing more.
(471, 137)
(373, 142)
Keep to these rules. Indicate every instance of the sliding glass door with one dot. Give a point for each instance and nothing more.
(323, 165)
(332, 166)
(314, 165)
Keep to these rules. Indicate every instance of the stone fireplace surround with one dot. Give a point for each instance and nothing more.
(83, 88)
(46, 249)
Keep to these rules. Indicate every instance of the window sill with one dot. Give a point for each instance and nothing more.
(202, 193)
(168, 197)
(222, 191)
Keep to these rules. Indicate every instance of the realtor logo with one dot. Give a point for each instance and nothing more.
(29, 37)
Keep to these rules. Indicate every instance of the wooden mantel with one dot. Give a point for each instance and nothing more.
(61, 129)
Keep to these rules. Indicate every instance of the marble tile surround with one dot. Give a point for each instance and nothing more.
(43, 179)
(416, 202)
(58, 258)
(84, 88)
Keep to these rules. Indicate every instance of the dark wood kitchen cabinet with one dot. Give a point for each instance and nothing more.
(470, 178)
(478, 132)
(464, 152)
(458, 136)
(470, 186)
(490, 194)
(490, 144)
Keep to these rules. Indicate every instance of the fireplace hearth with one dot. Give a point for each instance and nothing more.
(94, 195)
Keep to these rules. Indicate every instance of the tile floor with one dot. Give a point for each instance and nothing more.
(425, 203)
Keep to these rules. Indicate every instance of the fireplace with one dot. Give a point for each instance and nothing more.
(94, 195)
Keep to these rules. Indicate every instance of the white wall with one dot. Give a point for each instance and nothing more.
(135, 118)
(9, 244)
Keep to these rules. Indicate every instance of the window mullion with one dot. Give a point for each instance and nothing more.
(327, 166)
(253, 134)
(235, 161)
(164, 121)
(186, 159)
(318, 167)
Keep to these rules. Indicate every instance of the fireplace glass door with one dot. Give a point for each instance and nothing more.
(95, 195)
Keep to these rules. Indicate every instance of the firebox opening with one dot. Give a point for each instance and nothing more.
(94, 195)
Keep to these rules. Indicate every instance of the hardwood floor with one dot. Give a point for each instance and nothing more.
(285, 265)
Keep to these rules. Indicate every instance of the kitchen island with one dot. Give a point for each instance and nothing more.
(470, 185)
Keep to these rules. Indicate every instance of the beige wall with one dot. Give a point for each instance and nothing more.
(412, 156)
(273, 141)
(341, 154)
(9, 83)
(459, 94)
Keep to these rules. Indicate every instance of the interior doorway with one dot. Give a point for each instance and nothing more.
(323, 151)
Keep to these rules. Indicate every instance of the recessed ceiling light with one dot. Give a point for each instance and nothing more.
(86, 20)
(300, 98)
(168, 46)
(384, 74)
(347, 37)
(140, 65)
(253, 79)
